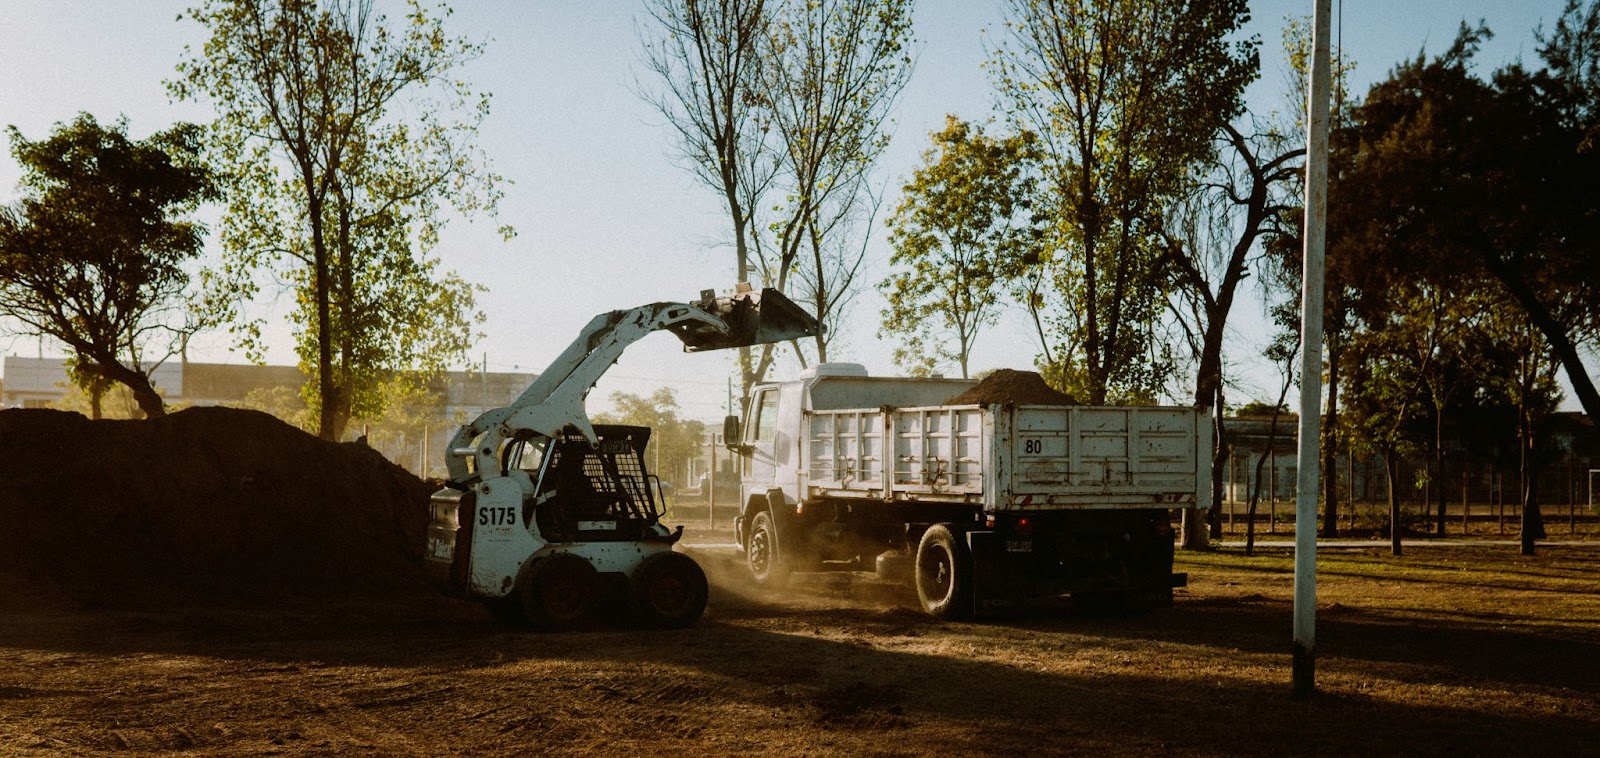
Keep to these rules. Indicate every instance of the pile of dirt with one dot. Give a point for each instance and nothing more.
(1007, 386)
(206, 503)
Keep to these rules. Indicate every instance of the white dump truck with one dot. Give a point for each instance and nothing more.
(980, 506)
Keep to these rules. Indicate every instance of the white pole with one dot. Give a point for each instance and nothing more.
(1305, 517)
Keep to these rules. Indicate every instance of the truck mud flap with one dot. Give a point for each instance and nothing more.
(994, 583)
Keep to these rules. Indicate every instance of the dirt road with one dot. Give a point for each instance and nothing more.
(1442, 653)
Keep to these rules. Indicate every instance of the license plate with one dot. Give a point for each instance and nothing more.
(1019, 546)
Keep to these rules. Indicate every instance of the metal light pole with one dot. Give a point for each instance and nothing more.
(1305, 518)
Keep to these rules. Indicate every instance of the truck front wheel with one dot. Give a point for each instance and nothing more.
(762, 554)
(944, 573)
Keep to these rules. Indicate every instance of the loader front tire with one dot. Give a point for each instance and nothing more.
(558, 591)
(669, 591)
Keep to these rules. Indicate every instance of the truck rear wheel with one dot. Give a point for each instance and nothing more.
(669, 591)
(944, 573)
(762, 554)
(558, 591)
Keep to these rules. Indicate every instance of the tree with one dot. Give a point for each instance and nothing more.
(334, 138)
(1234, 198)
(1125, 95)
(674, 440)
(708, 58)
(93, 254)
(1382, 401)
(1512, 159)
(956, 234)
(780, 106)
(1284, 350)
(1527, 382)
(837, 67)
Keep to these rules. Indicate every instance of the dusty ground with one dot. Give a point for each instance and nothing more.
(1455, 651)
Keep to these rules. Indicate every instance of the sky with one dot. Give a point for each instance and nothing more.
(607, 217)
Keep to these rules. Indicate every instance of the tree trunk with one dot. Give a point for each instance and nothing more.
(1532, 519)
(150, 402)
(1195, 524)
(327, 388)
(1436, 481)
(1255, 489)
(1391, 469)
(1554, 332)
(1330, 447)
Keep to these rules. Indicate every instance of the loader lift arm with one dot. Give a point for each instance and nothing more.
(555, 400)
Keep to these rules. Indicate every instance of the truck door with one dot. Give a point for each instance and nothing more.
(761, 436)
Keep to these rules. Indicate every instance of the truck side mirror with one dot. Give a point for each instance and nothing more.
(730, 433)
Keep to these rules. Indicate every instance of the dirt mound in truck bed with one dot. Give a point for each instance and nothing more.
(1016, 387)
(207, 503)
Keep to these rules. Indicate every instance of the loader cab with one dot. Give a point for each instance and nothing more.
(526, 455)
(589, 493)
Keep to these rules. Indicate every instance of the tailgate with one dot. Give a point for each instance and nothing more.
(1097, 456)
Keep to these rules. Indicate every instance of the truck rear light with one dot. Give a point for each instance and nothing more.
(1163, 529)
(1024, 527)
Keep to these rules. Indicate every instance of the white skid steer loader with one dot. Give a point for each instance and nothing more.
(548, 517)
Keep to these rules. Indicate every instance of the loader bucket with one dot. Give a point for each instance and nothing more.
(753, 318)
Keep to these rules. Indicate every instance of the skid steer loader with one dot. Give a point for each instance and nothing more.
(550, 518)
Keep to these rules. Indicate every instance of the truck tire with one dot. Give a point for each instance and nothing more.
(558, 591)
(944, 573)
(762, 554)
(669, 591)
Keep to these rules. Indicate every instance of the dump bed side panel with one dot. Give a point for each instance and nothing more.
(1093, 456)
(845, 453)
(1026, 457)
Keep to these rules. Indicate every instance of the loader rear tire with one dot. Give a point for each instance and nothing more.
(669, 591)
(558, 591)
(944, 573)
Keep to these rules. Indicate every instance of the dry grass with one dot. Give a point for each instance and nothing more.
(1458, 650)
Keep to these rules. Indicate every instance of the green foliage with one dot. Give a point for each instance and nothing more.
(341, 157)
(674, 440)
(1470, 183)
(283, 403)
(963, 226)
(93, 255)
(1125, 96)
(1258, 409)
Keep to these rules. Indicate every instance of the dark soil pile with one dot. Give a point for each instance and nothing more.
(1007, 386)
(207, 503)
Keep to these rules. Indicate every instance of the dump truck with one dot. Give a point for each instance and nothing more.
(979, 506)
(551, 519)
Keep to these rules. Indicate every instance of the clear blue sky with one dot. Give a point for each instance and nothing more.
(606, 218)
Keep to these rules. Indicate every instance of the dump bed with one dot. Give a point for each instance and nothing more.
(1011, 457)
